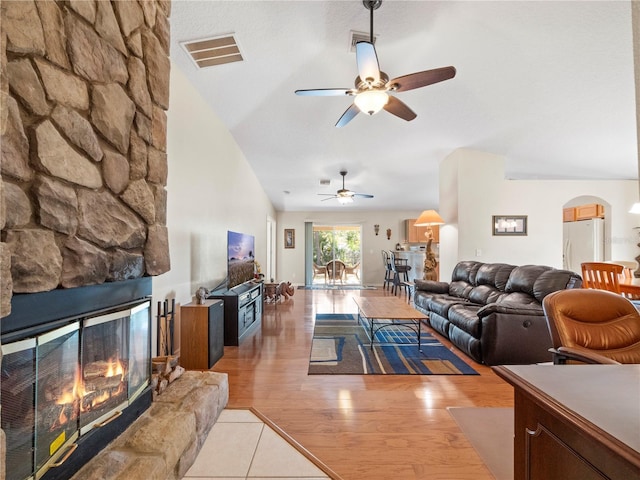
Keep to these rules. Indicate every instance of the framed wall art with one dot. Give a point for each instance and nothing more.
(509, 224)
(289, 238)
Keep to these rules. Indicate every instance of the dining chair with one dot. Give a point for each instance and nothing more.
(400, 273)
(388, 272)
(592, 326)
(602, 276)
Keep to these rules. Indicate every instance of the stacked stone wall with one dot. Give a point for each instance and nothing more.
(84, 91)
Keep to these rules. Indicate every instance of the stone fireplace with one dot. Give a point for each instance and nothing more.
(84, 89)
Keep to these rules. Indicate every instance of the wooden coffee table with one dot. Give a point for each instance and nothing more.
(382, 312)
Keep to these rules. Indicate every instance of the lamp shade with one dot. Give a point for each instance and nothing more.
(427, 218)
(635, 208)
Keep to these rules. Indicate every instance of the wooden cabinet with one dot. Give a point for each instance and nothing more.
(569, 214)
(417, 234)
(202, 334)
(582, 212)
(591, 210)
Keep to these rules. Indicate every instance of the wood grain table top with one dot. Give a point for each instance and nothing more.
(387, 307)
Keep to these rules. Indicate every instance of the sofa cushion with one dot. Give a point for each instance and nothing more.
(484, 294)
(494, 274)
(554, 280)
(431, 286)
(518, 298)
(465, 342)
(465, 317)
(460, 289)
(466, 271)
(441, 304)
(463, 278)
(439, 324)
(523, 278)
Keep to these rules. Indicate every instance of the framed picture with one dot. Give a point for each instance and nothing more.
(509, 224)
(289, 238)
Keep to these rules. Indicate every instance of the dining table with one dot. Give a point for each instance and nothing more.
(630, 287)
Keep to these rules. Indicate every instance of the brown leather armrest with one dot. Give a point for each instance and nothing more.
(562, 354)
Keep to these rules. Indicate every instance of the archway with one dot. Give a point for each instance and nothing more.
(586, 234)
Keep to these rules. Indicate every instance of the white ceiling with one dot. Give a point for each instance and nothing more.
(549, 85)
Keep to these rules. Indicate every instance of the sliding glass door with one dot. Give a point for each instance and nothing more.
(336, 254)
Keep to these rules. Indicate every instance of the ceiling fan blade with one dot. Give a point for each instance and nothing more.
(347, 116)
(362, 195)
(421, 79)
(329, 198)
(324, 92)
(399, 109)
(368, 67)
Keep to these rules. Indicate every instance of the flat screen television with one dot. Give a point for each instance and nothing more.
(240, 259)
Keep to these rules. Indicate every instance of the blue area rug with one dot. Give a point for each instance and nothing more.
(341, 346)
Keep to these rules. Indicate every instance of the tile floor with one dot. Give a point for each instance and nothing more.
(240, 445)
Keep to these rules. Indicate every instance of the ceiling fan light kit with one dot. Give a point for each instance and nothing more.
(372, 86)
(371, 101)
(345, 199)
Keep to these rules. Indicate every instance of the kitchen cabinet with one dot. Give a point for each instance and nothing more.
(417, 234)
(569, 214)
(591, 210)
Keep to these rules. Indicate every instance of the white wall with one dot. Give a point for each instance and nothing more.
(475, 183)
(290, 265)
(211, 189)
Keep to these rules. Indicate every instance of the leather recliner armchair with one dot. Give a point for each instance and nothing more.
(592, 326)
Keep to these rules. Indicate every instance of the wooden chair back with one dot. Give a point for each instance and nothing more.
(602, 276)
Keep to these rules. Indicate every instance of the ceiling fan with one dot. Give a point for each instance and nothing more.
(372, 86)
(343, 195)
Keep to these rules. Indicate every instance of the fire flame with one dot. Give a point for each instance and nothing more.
(72, 399)
(115, 368)
(76, 392)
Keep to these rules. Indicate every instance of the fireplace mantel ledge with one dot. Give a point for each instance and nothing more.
(165, 440)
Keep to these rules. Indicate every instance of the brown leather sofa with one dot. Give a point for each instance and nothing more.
(493, 311)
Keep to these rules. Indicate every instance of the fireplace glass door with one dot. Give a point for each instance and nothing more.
(57, 401)
(18, 409)
(139, 349)
(105, 361)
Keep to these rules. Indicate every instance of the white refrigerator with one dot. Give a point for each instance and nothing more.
(583, 242)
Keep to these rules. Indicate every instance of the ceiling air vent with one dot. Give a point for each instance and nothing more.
(360, 37)
(213, 51)
(325, 182)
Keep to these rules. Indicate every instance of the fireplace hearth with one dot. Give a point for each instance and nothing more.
(73, 378)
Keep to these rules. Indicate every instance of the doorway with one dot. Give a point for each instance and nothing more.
(337, 253)
(585, 232)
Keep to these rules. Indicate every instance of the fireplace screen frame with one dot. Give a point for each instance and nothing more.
(66, 444)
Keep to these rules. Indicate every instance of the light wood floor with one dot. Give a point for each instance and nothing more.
(361, 426)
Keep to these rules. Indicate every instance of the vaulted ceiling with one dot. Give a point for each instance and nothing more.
(549, 85)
